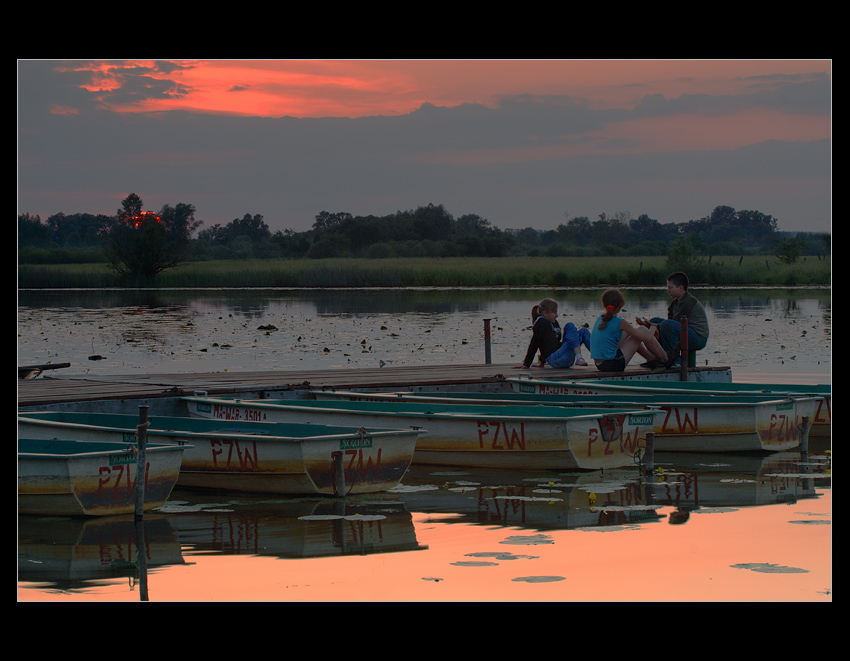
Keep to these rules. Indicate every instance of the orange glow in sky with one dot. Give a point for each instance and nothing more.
(532, 123)
(353, 88)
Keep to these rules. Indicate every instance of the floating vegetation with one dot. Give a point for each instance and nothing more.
(347, 517)
(501, 555)
(528, 540)
(177, 507)
(412, 488)
(538, 579)
(768, 568)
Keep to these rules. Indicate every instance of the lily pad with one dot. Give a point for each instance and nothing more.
(769, 568)
(538, 579)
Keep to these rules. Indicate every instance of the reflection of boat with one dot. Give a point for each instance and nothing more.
(547, 500)
(691, 423)
(76, 553)
(76, 477)
(820, 423)
(692, 480)
(291, 528)
(254, 456)
(494, 436)
(544, 500)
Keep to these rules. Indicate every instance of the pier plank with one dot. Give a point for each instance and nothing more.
(47, 390)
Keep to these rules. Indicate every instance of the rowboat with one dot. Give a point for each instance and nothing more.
(820, 423)
(482, 436)
(691, 423)
(254, 456)
(73, 477)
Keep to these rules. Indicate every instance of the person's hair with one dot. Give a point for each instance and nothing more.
(679, 279)
(546, 305)
(612, 300)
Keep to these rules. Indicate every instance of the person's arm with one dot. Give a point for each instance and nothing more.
(627, 328)
(534, 344)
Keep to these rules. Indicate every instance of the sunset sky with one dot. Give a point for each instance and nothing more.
(519, 142)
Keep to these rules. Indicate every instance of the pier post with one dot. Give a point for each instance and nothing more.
(804, 436)
(339, 473)
(683, 345)
(141, 462)
(487, 359)
(649, 456)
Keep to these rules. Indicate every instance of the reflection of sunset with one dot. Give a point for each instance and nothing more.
(647, 562)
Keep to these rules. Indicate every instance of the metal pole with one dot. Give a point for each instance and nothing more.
(487, 360)
(683, 344)
(141, 462)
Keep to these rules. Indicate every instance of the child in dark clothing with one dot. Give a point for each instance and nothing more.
(546, 337)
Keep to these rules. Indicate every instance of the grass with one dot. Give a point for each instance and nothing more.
(441, 272)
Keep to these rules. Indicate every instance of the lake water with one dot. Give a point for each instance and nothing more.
(702, 528)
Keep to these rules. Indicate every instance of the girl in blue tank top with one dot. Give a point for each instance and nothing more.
(614, 341)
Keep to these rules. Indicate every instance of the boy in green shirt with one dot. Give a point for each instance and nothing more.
(684, 304)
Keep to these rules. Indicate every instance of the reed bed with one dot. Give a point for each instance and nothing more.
(439, 272)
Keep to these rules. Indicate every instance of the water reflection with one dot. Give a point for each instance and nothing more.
(290, 528)
(77, 555)
(213, 330)
(566, 501)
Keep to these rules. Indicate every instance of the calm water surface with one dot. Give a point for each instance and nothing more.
(703, 527)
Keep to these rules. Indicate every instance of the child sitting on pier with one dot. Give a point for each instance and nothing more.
(615, 341)
(546, 337)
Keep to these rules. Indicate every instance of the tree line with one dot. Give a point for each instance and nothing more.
(144, 243)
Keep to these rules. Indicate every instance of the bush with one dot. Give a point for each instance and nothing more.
(380, 251)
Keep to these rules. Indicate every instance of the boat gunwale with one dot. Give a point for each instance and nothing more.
(446, 398)
(46, 422)
(283, 405)
(729, 389)
(154, 447)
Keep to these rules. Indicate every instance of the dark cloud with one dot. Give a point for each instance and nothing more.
(289, 169)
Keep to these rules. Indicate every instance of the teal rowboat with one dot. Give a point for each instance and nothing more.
(691, 423)
(80, 478)
(253, 456)
(820, 423)
(520, 437)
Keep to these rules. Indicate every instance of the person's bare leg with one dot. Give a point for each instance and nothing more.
(629, 346)
(643, 338)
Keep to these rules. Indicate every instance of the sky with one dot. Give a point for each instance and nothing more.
(521, 143)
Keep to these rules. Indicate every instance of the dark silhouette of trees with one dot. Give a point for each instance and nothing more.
(142, 244)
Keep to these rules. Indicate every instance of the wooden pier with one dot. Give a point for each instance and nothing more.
(47, 391)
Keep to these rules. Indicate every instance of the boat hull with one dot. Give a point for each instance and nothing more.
(691, 423)
(77, 478)
(820, 420)
(257, 457)
(486, 437)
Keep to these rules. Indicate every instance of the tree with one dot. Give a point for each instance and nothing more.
(31, 231)
(788, 251)
(142, 244)
(325, 220)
